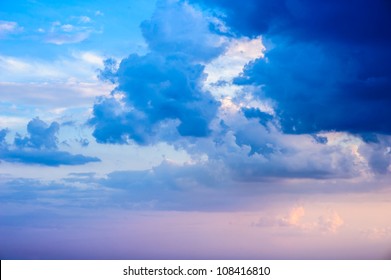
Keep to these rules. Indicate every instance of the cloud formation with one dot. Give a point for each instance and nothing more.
(268, 121)
(330, 222)
(325, 67)
(76, 30)
(160, 93)
(40, 146)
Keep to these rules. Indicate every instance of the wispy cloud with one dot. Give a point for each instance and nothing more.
(80, 66)
(329, 222)
(76, 30)
(9, 27)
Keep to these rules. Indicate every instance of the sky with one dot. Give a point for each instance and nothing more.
(194, 129)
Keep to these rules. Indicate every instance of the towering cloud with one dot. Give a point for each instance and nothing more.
(160, 93)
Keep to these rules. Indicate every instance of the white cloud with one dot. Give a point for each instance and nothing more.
(56, 94)
(13, 64)
(9, 121)
(67, 27)
(61, 39)
(84, 19)
(8, 27)
(229, 65)
(75, 31)
(80, 66)
(91, 58)
(222, 71)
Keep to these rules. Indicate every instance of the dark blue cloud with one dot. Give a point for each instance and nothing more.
(327, 64)
(320, 139)
(250, 17)
(163, 87)
(40, 135)
(40, 146)
(45, 157)
(346, 20)
(255, 113)
(321, 89)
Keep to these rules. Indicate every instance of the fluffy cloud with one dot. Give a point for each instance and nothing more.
(264, 125)
(162, 90)
(40, 146)
(40, 136)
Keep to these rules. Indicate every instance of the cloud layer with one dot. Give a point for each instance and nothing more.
(40, 146)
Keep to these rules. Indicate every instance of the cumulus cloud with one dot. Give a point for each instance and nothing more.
(183, 92)
(40, 135)
(164, 87)
(255, 152)
(39, 146)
